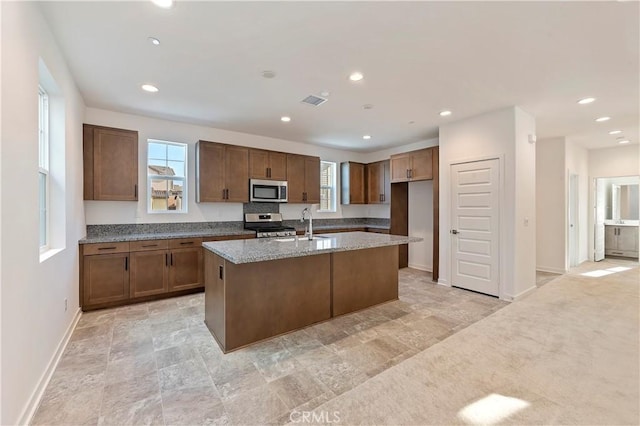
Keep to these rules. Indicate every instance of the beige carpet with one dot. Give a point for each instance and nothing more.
(567, 354)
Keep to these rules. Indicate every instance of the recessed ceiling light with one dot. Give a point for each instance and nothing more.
(411, 122)
(367, 106)
(268, 74)
(356, 76)
(366, 137)
(165, 4)
(624, 141)
(601, 119)
(285, 119)
(615, 132)
(149, 88)
(586, 101)
(445, 113)
(325, 93)
(154, 41)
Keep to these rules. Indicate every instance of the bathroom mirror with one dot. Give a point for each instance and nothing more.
(624, 202)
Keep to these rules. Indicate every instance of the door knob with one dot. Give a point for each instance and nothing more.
(454, 231)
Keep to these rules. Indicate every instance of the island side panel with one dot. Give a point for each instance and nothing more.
(214, 296)
(265, 299)
(363, 278)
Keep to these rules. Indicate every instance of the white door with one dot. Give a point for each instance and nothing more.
(598, 239)
(475, 221)
(574, 242)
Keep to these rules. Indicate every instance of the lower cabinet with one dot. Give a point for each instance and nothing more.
(105, 278)
(141, 270)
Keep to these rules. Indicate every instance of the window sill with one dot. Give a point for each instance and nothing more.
(49, 254)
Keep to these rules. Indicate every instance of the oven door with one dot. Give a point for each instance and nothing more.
(268, 191)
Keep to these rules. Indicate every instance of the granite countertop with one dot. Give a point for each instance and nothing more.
(258, 250)
(161, 236)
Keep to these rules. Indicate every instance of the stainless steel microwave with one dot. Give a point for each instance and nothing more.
(268, 191)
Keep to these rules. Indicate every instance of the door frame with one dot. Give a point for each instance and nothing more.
(502, 276)
(573, 216)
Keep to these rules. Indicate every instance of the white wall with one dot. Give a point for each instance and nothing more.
(577, 158)
(550, 205)
(421, 224)
(501, 134)
(104, 212)
(34, 323)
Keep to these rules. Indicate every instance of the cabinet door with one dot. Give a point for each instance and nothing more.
(422, 165)
(210, 172)
(296, 177)
(628, 238)
(400, 166)
(386, 182)
(115, 164)
(185, 268)
(277, 166)
(149, 273)
(373, 193)
(312, 179)
(610, 238)
(258, 164)
(106, 278)
(237, 174)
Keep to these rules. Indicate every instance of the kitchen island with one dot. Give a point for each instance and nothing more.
(260, 288)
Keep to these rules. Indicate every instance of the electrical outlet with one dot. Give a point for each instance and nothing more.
(65, 305)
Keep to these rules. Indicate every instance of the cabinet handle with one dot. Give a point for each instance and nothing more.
(268, 171)
(135, 190)
(407, 173)
(227, 193)
(171, 258)
(186, 243)
(410, 173)
(107, 248)
(221, 272)
(149, 245)
(126, 263)
(166, 259)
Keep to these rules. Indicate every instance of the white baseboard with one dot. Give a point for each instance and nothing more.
(520, 295)
(420, 267)
(442, 281)
(36, 395)
(551, 269)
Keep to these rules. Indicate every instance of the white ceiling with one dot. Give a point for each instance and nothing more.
(418, 58)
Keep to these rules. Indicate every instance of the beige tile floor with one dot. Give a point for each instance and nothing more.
(156, 363)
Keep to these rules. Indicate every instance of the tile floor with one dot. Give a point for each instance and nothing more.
(156, 363)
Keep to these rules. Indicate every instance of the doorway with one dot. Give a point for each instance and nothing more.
(574, 232)
(475, 222)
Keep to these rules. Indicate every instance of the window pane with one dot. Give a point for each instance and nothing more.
(176, 168)
(175, 195)
(176, 152)
(157, 150)
(42, 199)
(159, 194)
(327, 186)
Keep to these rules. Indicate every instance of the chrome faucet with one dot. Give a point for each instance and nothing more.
(308, 231)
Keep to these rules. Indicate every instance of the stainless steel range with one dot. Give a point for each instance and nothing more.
(267, 225)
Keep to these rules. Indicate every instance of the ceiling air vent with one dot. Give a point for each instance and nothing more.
(314, 100)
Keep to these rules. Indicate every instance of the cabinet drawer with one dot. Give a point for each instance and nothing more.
(106, 248)
(148, 245)
(185, 243)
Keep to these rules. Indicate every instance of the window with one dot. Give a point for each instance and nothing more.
(43, 167)
(167, 177)
(327, 186)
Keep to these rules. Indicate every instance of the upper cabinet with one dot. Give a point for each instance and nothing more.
(412, 166)
(222, 173)
(303, 177)
(267, 165)
(378, 178)
(110, 163)
(352, 182)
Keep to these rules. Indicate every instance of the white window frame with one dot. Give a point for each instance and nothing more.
(332, 186)
(43, 168)
(183, 179)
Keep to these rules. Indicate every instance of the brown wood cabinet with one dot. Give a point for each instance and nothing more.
(222, 173)
(110, 158)
(303, 176)
(412, 166)
(105, 278)
(149, 273)
(352, 183)
(378, 182)
(267, 164)
(185, 264)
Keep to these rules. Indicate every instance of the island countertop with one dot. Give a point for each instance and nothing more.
(258, 250)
